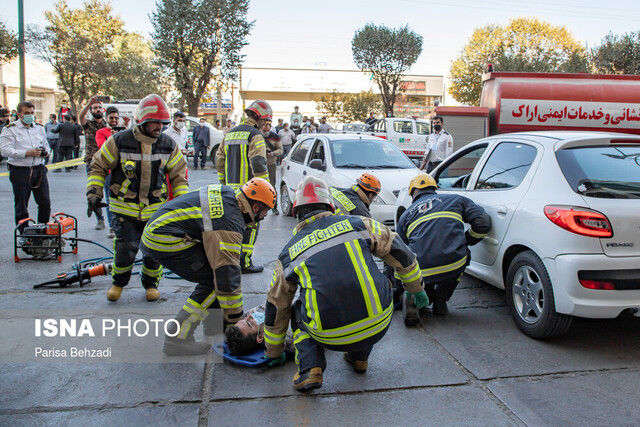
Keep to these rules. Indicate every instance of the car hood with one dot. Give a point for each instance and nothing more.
(392, 180)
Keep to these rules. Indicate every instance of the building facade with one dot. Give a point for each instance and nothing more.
(285, 88)
(41, 86)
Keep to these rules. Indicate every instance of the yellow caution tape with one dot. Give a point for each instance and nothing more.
(59, 165)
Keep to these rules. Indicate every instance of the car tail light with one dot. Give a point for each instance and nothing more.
(579, 220)
(598, 284)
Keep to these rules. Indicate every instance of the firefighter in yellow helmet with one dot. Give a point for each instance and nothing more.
(241, 156)
(348, 310)
(433, 227)
(356, 199)
(139, 159)
(198, 237)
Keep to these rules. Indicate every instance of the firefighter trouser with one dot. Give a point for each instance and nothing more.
(443, 288)
(248, 241)
(192, 264)
(128, 231)
(310, 353)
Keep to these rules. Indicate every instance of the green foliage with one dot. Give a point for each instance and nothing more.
(135, 74)
(194, 38)
(79, 45)
(8, 44)
(387, 54)
(349, 107)
(526, 44)
(617, 54)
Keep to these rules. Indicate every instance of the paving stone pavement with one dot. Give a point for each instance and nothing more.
(471, 367)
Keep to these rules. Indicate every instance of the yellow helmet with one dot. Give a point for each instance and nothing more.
(420, 181)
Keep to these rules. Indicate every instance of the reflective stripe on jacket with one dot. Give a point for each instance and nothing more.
(213, 217)
(433, 227)
(139, 165)
(350, 201)
(346, 299)
(242, 155)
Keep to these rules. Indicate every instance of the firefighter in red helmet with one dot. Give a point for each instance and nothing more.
(243, 155)
(140, 160)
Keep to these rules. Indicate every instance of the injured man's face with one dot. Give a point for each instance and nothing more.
(247, 335)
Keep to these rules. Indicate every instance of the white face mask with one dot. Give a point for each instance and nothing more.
(179, 125)
(258, 317)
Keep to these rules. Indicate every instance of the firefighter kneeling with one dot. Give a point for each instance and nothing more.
(345, 303)
(433, 227)
(198, 236)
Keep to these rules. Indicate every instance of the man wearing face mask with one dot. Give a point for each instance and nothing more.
(90, 146)
(309, 127)
(241, 156)
(140, 160)
(25, 144)
(439, 145)
(178, 131)
(247, 336)
(198, 237)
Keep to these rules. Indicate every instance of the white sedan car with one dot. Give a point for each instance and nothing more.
(215, 138)
(339, 160)
(565, 211)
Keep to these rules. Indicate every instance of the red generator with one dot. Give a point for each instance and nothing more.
(45, 241)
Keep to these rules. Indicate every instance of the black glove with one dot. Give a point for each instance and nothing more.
(93, 203)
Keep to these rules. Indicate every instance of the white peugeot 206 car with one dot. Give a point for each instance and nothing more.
(565, 211)
(339, 160)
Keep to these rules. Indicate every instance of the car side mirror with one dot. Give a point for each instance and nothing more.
(317, 164)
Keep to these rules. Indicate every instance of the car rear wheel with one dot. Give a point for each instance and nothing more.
(530, 298)
(285, 203)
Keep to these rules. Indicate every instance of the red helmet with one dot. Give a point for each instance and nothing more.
(312, 190)
(152, 108)
(261, 108)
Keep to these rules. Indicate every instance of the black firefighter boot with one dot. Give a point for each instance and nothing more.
(248, 267)
(188, 346)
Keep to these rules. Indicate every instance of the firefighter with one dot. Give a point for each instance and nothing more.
(356, 200)
(198, 237)
(241, 156)
(347, 309)
(433, 227)
(139, 159)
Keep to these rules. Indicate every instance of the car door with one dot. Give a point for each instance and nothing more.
(319, 151)
(294, 166)
(499, 186)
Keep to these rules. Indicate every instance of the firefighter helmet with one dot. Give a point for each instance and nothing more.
(312, 190)
(420, 181)
(261, 108)
(152, 108)
(260, 190)
(369, 182)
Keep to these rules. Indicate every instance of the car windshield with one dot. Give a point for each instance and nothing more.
(368, 154)
(605, 172)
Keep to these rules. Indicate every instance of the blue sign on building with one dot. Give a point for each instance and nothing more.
(226, 103)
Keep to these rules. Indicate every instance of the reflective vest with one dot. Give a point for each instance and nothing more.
(179, 225)
(348, 202)
(345, 302)
(239, 167)
(433, 227)
(136, 171)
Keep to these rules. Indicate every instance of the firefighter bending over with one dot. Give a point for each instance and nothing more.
(198, 236)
